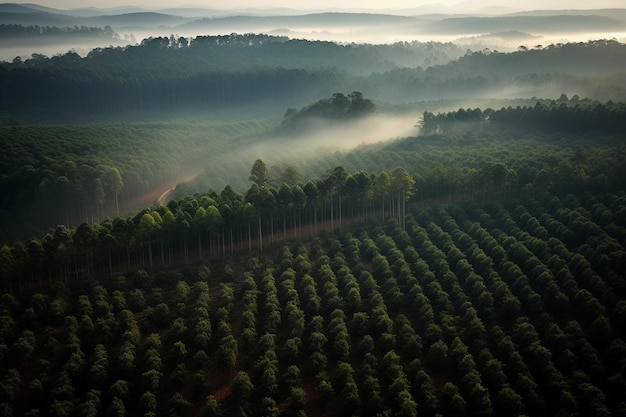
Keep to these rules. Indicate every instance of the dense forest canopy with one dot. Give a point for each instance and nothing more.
(338, 108)
(86, 172)
(428, 230)
(563, 115)
(216, 71)
(509, 304)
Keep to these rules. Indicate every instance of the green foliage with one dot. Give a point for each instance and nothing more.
(497, 306)
(336, 108)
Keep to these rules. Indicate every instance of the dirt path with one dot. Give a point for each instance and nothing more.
(161, 195)
(165, 196)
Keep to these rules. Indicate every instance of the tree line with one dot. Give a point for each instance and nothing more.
(13, 31)
(206, 225)
(562, 115)
(217, 71)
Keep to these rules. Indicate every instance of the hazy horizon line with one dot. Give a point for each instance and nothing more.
(432, 8)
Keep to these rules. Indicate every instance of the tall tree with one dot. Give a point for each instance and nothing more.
(259, 174)
(402, 184)
(334, 183)
(147, 228)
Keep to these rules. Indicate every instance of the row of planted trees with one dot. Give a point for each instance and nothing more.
(206, 225)
(473, 310)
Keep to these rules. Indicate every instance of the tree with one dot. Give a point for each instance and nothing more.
(402, 185)
(6, 268)
(334, 183)
(284, 200)
(262, 200)
(360, 106)
(259, 174)
(147, 229)
(212, 407)
(148, 402)
(452, 403)
(120, 389)
(242, 387)
(227, 353)
(508, 402)
(10, 384)
(312, 193)
(178, 403)
(269, 408)
(91, 406)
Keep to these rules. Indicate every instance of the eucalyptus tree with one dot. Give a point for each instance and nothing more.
(147, 228)
(230, 206)
(262, 200)
(382, 183)
(403, 187)
(312, 194)
(85, 239)
(113, 183)
(259, 174)
(284, 201)
(6, 268)
(334, 182)
(299, 201)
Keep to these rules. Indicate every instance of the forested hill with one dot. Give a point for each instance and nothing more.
(210, 71)
(11, 33)
(339, 108)
(563, 115)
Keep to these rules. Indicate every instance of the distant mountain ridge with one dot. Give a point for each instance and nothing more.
(545, 21)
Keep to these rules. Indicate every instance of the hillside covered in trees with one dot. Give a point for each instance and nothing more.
(173, 74)
(338, 108)
(86, 172)
(480, 279)
(262, 225)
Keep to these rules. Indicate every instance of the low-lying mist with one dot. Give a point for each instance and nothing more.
(304, 148)
(320, 134)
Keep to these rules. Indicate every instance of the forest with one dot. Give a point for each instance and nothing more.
(184, 106)
(237, 223)
(209, 72)
(478, 282)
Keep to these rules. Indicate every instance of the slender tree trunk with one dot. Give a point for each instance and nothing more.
(249, 239)
(272, 228)
(332, 213)
(260, 245)
(340, 217)
(150, 252)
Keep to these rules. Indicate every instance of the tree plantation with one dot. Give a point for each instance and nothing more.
(257, 225)
(481, 273)
(504, 308)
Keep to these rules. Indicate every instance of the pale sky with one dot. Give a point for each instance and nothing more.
(333, 4)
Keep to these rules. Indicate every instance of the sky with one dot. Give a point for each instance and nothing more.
(332, 4)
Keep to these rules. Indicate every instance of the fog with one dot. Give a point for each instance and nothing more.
(475, 31)
(306, 149)
(402, 81)
(10, 49)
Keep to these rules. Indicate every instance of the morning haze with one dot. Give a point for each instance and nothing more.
(340, 208)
